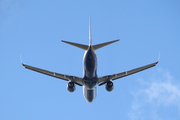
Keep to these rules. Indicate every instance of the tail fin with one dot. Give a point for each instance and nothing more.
(90, 42)
(85, 47)
(95, 47)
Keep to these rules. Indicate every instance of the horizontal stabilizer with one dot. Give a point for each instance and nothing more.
(84, 47)
(95, 47)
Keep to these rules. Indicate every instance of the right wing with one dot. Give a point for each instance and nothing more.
(104, 79)
(76, 80)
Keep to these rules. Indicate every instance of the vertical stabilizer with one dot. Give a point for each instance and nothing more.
(90, 42)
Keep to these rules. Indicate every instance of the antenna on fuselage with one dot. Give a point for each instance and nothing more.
(90, 42)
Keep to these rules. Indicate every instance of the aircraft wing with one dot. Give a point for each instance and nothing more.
(76, 80)
(104, 79)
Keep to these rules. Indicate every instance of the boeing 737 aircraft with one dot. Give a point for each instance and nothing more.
(90, 79)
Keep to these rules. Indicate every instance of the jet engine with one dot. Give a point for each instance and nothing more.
(71, 87)
(109, 86)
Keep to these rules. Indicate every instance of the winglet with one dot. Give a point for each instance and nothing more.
(159, 56)
(21, 60)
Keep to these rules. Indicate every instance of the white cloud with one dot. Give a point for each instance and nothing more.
(154, 99)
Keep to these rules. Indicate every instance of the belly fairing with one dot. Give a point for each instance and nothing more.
(90, 83)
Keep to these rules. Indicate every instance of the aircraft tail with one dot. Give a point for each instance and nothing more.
(85, 47)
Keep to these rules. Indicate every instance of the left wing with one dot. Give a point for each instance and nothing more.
(76, 80)
(104, 79)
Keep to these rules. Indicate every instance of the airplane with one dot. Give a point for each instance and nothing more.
(90, 80)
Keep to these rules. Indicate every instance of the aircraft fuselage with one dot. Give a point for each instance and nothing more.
(90, 79)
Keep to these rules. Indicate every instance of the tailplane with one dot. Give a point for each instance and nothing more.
(95, 47)
(85, 47)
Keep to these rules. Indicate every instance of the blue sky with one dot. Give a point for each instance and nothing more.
(35, 29)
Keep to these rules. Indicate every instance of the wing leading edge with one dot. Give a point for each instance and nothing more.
(76, 80)
(105, 79)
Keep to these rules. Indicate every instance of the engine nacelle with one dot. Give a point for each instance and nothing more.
(71, 87)
(109, 86)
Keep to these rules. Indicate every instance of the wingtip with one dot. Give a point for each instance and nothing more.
(159, 56)
(116, 40)
(21, 61)
(64, 41)
(21, 58)
(158, 59)
(23, 64)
